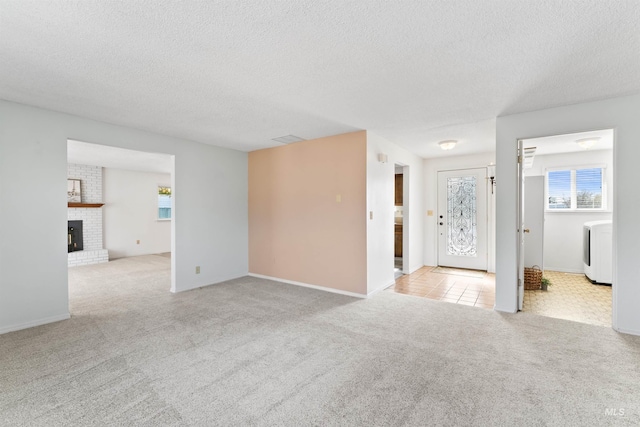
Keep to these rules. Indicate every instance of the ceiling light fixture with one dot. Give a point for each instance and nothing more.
(587, 143)
(448, 144)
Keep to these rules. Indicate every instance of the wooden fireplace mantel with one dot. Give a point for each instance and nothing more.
(85, 205)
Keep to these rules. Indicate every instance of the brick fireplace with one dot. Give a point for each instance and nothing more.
(91, 185)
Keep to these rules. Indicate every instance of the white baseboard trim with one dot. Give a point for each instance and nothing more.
(381, 288)
(504, 310)
(414, 269)
(33, 323)
(307, 285)
(565, 270)
(215, 281)
(627, 331)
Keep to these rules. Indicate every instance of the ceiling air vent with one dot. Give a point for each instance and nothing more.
(529, 154)
(288, 139)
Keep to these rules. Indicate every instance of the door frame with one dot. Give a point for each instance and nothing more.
(406, 202)
(519, 284)
(520, 225)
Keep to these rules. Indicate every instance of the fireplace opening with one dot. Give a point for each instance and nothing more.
(74, 238)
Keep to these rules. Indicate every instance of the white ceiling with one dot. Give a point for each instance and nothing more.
(84, 153)
(239, 73)
(558, 144)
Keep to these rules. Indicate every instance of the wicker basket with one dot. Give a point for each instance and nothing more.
(532, 278)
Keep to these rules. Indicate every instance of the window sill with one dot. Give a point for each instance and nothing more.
(580, 211)
(163, 219)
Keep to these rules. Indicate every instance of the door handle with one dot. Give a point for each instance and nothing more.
(526, 230)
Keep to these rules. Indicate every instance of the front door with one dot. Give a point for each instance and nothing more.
(462, 218)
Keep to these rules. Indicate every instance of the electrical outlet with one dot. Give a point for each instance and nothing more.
(197, 269)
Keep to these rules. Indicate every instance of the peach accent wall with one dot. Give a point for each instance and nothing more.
(297, 229)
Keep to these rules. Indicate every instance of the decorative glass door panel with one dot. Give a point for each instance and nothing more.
(462, 218)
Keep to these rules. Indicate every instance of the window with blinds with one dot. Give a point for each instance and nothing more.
(575, 189)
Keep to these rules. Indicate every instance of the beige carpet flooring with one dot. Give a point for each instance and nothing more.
(252, 352)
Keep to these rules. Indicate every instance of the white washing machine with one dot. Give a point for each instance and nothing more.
(598, 251)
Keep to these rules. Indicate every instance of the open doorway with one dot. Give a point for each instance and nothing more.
(399, 228)
(567, 213)
(453, 283)
(124, 212)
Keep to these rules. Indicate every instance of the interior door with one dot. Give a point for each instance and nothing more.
(521, 233)
(534, 225)
(462, 218)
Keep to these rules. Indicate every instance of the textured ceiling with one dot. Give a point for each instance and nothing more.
(559, 144)
(119, 158)
(238, 73)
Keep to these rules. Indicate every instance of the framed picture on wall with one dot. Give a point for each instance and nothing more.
(74, 193)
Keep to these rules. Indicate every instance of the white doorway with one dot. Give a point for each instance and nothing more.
(400, 220)
(462, 218)
(130, 220)
(566, 182)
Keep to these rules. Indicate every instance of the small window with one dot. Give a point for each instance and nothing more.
(589, 188)
(164, 202)
(559, 189)
(575, 189)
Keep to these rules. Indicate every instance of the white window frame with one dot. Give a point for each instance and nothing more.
(574, 192)
(158, 206)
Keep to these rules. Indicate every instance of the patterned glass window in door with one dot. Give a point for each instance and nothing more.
(462, 233)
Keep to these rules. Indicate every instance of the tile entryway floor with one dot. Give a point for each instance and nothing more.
(571, 297)
(468, 287)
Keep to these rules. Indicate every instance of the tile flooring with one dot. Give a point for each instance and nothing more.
(571, 297)
(457, 286)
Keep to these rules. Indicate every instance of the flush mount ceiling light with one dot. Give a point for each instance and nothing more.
(587, 143)
(447, 145)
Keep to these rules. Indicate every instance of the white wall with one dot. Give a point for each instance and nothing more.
(131, 213)
(620, 114)
(563, 230)
(380, 201)
(431, 169)
(210, 203)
